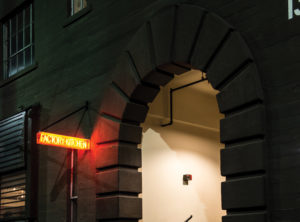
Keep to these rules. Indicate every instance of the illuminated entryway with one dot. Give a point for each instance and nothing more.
(169, 44)
(189, 146)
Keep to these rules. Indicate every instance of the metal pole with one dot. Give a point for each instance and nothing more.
(73, 196)
(171, 109)
(72, 186)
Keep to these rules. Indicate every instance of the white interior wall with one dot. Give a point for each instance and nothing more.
(190, 146)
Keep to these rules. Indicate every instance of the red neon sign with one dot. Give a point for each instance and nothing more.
(69, 142)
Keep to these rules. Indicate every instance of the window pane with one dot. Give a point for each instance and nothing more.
(32, 53)
(27, 16)
(12, 66)
(77, 5)
(20, 40)
(5, 68)
(27, 36)
(28, 56)
(13, 25)
(5, 30)
(21, 60)
(5, 41)
(20, 21)
(84, 3)
(13, 45)
(12, 195)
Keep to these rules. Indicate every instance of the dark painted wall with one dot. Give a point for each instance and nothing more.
(74, 64)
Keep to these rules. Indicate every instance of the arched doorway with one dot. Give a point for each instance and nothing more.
(190, 145)
(175, 40)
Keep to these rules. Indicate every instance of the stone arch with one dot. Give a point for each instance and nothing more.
(175, 40)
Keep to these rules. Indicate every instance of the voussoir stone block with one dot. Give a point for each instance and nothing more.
(118, 154)
(243, 89)
(243, 193)
(245, 124)
(243, 158)
(212, 32)
(228, 60)
(144, 93)
(124, 75)
(135, 112)
(118, 180)
(127, 80)
(150, 48)
(162, 31)
(158, 78)
(188, 22)
(246, 217)
(142, 52)
(173, 68)
(117, 105)
(110, 130)
(118, 207)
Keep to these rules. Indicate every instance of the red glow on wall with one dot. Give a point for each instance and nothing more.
(69, 142)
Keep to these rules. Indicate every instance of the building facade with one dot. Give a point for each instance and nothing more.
(89, 69)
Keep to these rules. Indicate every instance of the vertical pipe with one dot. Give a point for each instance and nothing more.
(72, 186)
(171, 106)
(171, 98)
(73, 196)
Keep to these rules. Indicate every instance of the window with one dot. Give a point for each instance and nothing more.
(12, 195)
(77, 5)
(14, 165)
(18, 41)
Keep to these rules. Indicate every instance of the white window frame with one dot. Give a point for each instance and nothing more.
(8, 55)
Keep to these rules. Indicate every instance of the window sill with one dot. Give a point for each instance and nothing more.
(77, 15)
(19, 74)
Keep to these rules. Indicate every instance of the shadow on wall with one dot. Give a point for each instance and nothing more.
(181, 137)
(168, 154)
